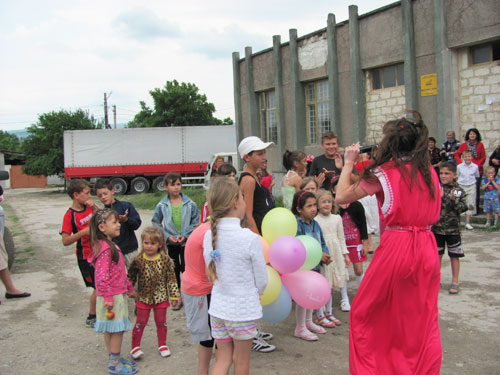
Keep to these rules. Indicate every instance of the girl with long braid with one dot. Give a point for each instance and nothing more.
(236, 266)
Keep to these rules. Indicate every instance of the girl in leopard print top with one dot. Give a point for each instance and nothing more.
(157, 288)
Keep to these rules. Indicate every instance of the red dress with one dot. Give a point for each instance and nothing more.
(393, 323)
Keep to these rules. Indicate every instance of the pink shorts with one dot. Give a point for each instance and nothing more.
(227, 331)
(355, 254)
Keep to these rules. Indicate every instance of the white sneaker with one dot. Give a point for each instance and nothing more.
(261, 346)
(137, 353)
(345, 305)
(468, 226)
(164, 351)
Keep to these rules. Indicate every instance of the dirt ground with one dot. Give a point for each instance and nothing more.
(45, 334)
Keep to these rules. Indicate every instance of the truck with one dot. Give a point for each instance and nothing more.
(137, 159)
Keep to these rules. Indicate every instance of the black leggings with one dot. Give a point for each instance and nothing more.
(208, 343)
(176, 252)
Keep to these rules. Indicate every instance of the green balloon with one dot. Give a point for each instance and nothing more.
(277, 223)
(314, 252)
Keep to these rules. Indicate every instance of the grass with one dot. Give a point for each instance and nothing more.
(22, 255)
(148, 201)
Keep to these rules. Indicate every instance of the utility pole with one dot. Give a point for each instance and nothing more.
(114, 115)
(106, 122)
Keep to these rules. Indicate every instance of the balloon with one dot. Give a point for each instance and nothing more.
(313, 252)
(279, 309)
(287, 254)
(278, 222)
(308, 288)
(265, 248)
(273, 287)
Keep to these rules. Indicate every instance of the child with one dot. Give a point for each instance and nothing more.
(447, 229)
(468, 172)
(309, 184)
(356, 239)
(328, 165)
(304, 207)
(266, 179)
(226, 170)
(178, 215)
(236, 265)
(253, 151)
(154, 271)
(401, 286)
(75, 229)
(295, 163)
(112, 285)
(127, 215)
(491, 187)
(335, 272)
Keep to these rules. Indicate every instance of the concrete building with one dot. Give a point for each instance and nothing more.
(440, 57)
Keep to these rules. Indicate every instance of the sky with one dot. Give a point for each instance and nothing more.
(66, 54)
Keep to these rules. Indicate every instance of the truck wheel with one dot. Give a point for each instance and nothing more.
(139, 185)
(9, 246)
(158, 184)
(119, 185)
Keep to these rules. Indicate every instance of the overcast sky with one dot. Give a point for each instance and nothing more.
(67, 54)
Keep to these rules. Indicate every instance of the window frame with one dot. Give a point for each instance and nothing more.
(318, 107)
(493, 46)
(267, 116)
(399, 81)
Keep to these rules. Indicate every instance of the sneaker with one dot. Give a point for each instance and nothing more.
(345, 305)
(137, 353)
(90, 322)
(262, 346)
(264, 335)
(164, 351)
(468, 226)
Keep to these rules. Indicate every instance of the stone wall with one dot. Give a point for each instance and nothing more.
(479, 99)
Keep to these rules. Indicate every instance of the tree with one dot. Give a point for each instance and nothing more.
(9, 142)
(176, 105)
(43, 146)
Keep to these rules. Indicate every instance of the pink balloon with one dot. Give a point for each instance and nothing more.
(308, 289)
(287, 254)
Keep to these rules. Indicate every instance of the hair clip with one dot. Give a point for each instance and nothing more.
(215, 255)
(100, 215)
(401, 126)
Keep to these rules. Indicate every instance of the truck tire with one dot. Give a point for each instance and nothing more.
(139, 185)
(9, 246)
(119, 185)
(158, 184)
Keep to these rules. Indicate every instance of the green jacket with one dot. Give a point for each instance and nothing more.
(453, 203)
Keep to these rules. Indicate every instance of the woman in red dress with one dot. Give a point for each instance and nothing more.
(394, 315)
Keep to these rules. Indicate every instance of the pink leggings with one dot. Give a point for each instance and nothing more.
(160, 315)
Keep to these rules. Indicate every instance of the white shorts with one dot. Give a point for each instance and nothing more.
(470, 190)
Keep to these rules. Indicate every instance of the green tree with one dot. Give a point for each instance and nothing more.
(43, 146)
(177, 104)
(9, 142)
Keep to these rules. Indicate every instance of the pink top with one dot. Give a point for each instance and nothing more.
(194, 278)
(110, 277)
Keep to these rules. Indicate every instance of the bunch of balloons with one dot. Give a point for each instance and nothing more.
(289, 273)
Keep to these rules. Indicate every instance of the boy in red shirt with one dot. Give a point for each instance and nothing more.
(75, 228)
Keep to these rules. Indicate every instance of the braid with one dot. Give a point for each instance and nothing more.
(211, 270)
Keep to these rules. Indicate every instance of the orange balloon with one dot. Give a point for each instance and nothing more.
(265, 248)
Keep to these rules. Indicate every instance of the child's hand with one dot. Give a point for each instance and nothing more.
(347, 261)
(132, 294)
(442, 191)
(172, 239)
(181, 239)
(325, 258)
(320, 178)
(175, 302)
(90, 204)
(339, 163)
(365, 249)
(123, 218)
(108, 305)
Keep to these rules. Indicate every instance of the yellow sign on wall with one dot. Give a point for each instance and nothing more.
(428, 84)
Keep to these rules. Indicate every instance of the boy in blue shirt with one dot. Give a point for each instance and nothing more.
(177, 215)
(491, 187)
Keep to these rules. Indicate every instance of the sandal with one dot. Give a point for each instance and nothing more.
(316, 329)
(325, 322)
(333, 319)
(345, 305)
(305, 334)
(125, 369)
(129, 362)
(454, 289)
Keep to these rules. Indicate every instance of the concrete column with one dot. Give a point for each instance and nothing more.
(333, 75)
(358, 98)
(238, 116)
(278, 92)
(445, 115)
(253, 110)
(410, 60)
(298, 127)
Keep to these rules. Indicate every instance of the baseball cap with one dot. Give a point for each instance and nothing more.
(250, 144)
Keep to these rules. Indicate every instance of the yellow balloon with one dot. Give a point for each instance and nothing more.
(278, 222)
(273, 288)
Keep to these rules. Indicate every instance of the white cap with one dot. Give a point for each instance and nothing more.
(250, 144)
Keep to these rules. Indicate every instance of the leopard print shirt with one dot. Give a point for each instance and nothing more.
(156, 279)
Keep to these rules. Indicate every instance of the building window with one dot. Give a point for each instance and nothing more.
(388, 76)
(486, 53)
(268, 122)
(317, 110)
